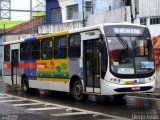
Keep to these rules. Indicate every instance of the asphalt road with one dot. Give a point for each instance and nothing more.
(54, 106)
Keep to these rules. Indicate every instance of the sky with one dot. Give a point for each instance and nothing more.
(22, 4)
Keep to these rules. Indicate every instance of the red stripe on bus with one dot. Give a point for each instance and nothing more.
(6, 65)
(32, 65)
(28, 65)
(22, 65)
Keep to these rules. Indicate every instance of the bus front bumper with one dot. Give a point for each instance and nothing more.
(109, 88)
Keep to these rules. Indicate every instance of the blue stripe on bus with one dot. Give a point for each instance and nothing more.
(30, 39)
(32, 78)
(31, 72)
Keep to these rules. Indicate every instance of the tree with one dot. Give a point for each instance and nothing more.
(58, 69)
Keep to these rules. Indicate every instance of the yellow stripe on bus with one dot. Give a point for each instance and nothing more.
(53, 34)
(54, 79)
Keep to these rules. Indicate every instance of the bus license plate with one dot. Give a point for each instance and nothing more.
(136, 88)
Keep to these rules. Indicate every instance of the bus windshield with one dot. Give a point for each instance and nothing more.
(130, 50)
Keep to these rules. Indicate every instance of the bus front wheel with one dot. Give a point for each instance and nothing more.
(78, 91)
(119, 96)
(25, 84)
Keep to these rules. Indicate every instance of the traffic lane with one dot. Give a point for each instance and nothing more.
(55, 110)
(8, 112)
(126, 107)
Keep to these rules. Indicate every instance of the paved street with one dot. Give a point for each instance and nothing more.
(88, 48)
(56, 106)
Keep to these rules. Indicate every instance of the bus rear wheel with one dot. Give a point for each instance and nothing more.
(78, 91)
(25, 84)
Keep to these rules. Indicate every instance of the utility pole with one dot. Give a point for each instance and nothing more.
(125, 16)
(125, 10)
(83, 13)
(0, 10)
(31, 9)
(92, 7)
(84, 7)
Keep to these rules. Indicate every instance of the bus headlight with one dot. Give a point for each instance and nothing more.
(148, 80)
(116, 81)
(153, 78)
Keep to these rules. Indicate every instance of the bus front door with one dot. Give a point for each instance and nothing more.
(91, 66)
(14, 66)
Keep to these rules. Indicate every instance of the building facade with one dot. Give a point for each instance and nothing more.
(62, 11)
(147, 12)
(91, 12)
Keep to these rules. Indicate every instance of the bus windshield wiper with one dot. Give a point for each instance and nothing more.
(122, 41)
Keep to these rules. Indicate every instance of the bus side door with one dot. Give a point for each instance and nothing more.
(91, 66)
(14, 66)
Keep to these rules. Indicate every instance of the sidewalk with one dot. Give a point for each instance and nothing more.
(155, 94)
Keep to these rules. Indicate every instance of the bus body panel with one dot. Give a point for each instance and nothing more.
(7, 79)
(7, 73)
(22, 69)
(53, 68)
(74, 68)
(30, 69)
(55, 74)
(6, 69)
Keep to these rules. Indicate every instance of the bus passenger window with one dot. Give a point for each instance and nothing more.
(60, 47)
(7, 53)
(47, 49)
(24, 51)
(35, 50)
(74, 46)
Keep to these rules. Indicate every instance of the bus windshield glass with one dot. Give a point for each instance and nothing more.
(130, 50)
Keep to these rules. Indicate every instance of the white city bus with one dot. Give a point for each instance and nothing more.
(107, 59)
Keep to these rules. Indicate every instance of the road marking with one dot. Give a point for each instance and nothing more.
(47, 108)
(60, 106)
(3, 101)
(71, 114)
(4, 97)
(27, 104)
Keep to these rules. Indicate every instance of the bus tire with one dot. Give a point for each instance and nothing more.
(119, 96)
(25, 84)
(78, 91)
